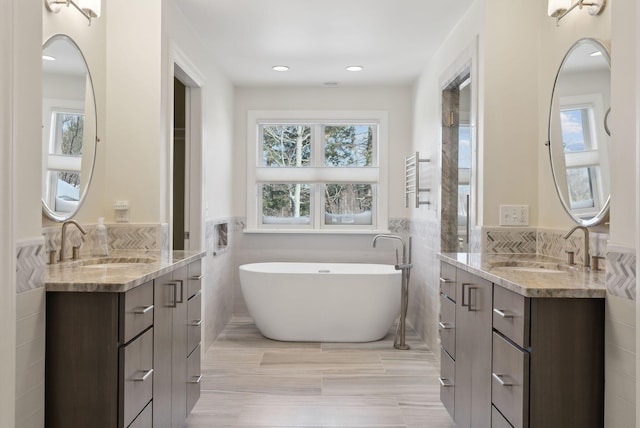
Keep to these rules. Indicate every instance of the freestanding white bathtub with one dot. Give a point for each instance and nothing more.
(322, 302)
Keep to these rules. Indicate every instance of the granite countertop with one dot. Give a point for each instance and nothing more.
(556, 279)
(120, 272)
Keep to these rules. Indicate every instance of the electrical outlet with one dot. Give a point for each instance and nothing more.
(121, 209)
(514, 215)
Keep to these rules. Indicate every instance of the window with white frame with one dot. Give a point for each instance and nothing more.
(585, 153)
(316, 171)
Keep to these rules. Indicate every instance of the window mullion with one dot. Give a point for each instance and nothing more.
(318, 161)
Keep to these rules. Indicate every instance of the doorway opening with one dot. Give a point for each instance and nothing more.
(457, 150)
(186, 215)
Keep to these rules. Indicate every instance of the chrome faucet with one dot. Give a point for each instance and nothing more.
(405, 268)
(587, 260)
(64, 235)
(404, 247)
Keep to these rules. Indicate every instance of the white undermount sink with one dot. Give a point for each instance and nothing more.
(115, 262)
(533, 267)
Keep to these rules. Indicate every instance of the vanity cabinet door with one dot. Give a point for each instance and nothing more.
(447, 385)
(447, 325)
(473, 351)
(144, 419)
(136, 307)
(510, 378)
(170, 349)
(194, 378)
(511, 315)
(136, 377)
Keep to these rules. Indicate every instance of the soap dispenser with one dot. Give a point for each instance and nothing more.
(101, 246)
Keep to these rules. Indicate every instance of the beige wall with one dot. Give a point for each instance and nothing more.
(7, 242)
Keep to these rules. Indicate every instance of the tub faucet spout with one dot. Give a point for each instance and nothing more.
(404, 247)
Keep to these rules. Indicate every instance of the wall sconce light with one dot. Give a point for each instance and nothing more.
(558, 9)
(88, 8)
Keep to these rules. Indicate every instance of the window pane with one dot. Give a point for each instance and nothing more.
(64, 189)
(348, 204)
(286, 203)
(286, 145)
(576, 129)
(350, 145)
(579, 181)
(68, 129)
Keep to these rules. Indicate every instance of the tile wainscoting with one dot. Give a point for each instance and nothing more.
(220, 270)
(30, 332)
(120, 236)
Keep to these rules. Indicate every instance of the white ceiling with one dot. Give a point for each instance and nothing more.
(317, 39)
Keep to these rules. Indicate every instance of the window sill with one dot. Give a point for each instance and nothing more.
(316, 231)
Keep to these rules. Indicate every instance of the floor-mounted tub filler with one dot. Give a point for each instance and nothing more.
(322, 302)
(405, 267)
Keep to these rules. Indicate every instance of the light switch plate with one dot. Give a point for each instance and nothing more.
(514, 215)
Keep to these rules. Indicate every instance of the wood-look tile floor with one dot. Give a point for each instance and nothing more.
(251, 381)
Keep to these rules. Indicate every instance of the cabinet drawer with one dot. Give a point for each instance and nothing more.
(447, 388)
(497, 420)
(194, 321)
(511, 315)
(136, 376)
(144, 419)
(194, 278)
(447, 325)
(136, 311)
(194, 377)
(510, 381)
(448, 280)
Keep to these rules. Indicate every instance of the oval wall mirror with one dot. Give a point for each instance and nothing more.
(69, 128)
(579, 137)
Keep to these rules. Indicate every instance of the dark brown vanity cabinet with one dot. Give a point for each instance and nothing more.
(548, 361)
(178, 321)
(125, 360)
(99, 358)
(519, 362)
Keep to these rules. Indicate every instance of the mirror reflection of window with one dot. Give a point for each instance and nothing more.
(64, 160)
(580, 144)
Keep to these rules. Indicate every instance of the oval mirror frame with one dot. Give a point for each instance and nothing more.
(87, 156)
(596, 120)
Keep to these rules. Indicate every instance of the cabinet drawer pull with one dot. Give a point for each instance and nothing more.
(197, 277)
(196, 323)
(445, 382)
(501, 381)
(503, 313)
(144, 377)
(175, 294)
(196, 380)
(445, 325)
(181, 291)
(446, 281)
(143, 310)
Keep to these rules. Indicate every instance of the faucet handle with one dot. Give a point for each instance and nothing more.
(595, 262)
(570, 257)
(52, 256)
(75, 252)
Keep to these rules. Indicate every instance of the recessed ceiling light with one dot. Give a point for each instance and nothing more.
(355, 68)
(280, 68)
(48, 58)
(596, 53)
(331, 84)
